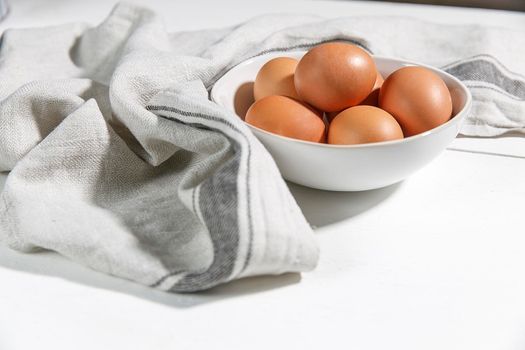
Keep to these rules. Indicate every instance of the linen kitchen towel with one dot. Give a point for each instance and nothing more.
(118, 160)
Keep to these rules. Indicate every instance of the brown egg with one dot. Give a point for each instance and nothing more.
(335, 76)
(276, 77)
(287, 117)
(371, 100)
(363, 124)
(373, 97)
(243, 99)
(418, 99)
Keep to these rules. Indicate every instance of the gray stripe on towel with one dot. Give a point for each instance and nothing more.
(484, 70)
(223, 230)
(218, 194)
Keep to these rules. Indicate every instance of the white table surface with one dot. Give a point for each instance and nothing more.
(436, 262)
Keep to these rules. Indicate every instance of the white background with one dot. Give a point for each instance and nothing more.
(436, 262)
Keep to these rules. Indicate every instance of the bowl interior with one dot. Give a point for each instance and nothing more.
(235, 89)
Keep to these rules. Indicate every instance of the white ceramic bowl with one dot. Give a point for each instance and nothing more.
(349, 167)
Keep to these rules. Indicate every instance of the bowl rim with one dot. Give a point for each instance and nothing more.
(458, 117)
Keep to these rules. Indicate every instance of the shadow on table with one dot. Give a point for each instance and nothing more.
(54, 265)
(323, 208)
